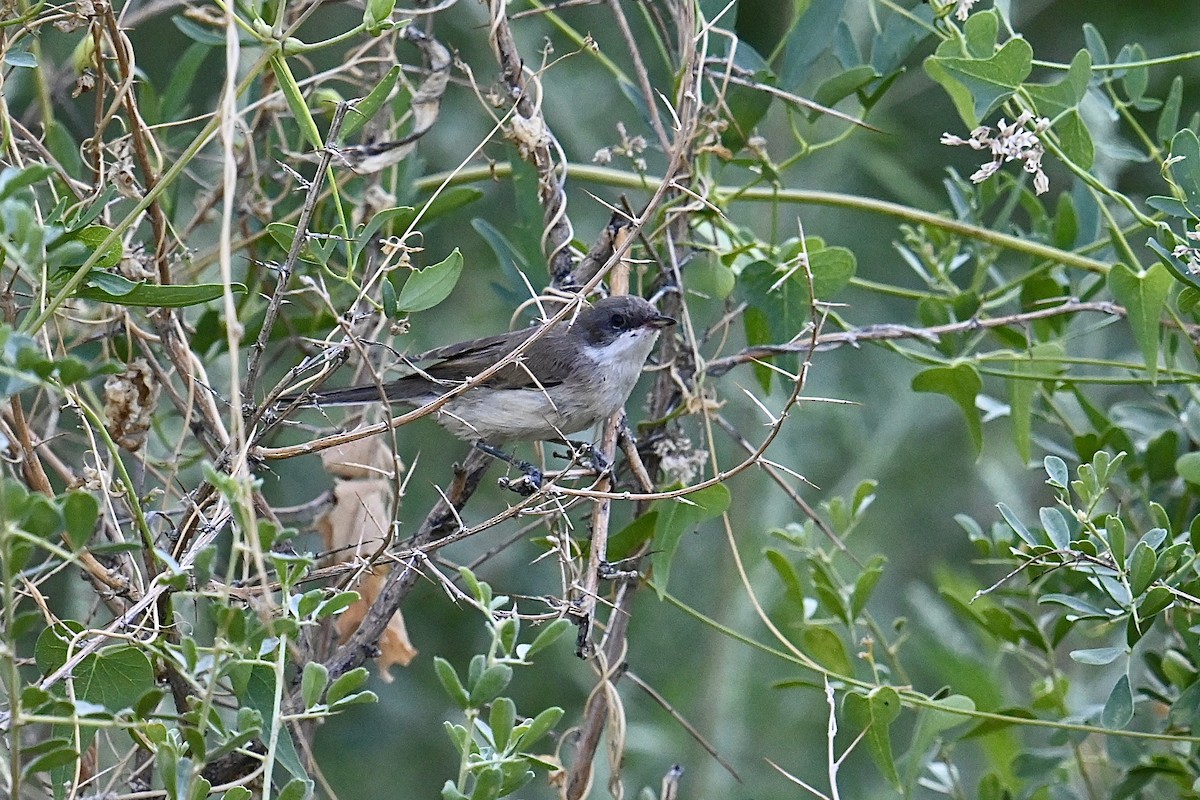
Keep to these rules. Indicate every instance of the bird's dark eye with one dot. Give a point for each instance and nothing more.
(618, 321)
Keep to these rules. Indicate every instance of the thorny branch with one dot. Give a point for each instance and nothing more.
(536, 143)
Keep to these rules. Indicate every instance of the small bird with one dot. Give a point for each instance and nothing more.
(568, 380)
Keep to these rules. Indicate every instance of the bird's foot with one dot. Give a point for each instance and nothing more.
(587, 455)
(530, 481)
(526, 485)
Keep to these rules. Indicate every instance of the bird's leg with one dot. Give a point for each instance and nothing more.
(531, 479)
(587, 454)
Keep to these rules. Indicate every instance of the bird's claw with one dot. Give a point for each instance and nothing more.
(588, 455)
(526, 485)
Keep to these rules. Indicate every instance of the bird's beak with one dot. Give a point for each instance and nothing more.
(660, 321)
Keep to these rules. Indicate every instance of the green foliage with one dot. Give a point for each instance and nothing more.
(495, 749)
(425, 289)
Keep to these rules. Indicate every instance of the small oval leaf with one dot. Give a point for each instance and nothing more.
(430, 286)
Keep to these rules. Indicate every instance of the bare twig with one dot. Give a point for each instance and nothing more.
(284, 273)
(891, 332)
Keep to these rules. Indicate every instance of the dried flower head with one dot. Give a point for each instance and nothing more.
(1009, 142)
(129, 402)
(679, 459)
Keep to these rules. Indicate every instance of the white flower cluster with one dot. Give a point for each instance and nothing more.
(962, 9)
(1010, 142)
(629, 146)
(1190, 254)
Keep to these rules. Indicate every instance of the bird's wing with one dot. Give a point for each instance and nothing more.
(544, 363)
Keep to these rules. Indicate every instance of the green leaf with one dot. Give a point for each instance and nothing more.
(827, 649)
(337, 604)
(625, 542)
(1055, 525)
(675, 518)
(827, 589)
(1044, 362)
(296, 789)
(931, 723)
(874, 713)
(312, 682)
(1157, 599)
(1142, 563)
(511, 258)
(1052, 99)
(978, 85)
(389, 297)
(258, 693)
(817, 22)
(779, 296)
(758, 331)
(501, 719)
(1075, 140)
(432, 285)
(205, 36)
(13, 179)
(20, 58)
(200, 789)
(439, 206)
(377, 15)
(532, 731)
(548, 636)
(1188, 467)
(1056, 469)
(793, 588)
(832, 270)
(115, 677)
(1095, 44)
(1134, 79)
(1144, 295)
(1076, 604)
(362, 111)
(92, 237)
(980, 34)
(1015, 523)
(155, 295)
(1098, 656)
(183, 78)
(1168, 120)
(59, 756)
(1118, 710)
(844, 84)
(865, 584)
(80, 511)
(491, 683)
(314, 250)
(709, 277)
(346, 683)
(962, 384)
(487, 784)
(295, 100)
(282, 233)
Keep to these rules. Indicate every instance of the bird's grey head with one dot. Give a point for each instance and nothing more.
(608, 319)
